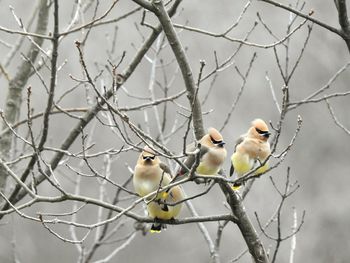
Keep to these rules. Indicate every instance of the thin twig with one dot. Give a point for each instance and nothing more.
(336, 121)
(308, 17)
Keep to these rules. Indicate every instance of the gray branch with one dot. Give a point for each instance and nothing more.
(255, 247)
(16, 85)
(343, 20)
(247, 229)
(89, 115)
(185, 68)
(344, 32)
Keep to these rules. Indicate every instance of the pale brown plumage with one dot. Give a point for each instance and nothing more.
(156, 209)
(212, 154)
(255, 142)
(251, 147)
(150, 174)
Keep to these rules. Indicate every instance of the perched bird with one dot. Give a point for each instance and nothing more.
(156, 211)
(149, 175)
(212, 154)
(250, 148)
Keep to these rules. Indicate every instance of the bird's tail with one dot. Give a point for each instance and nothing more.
(236, 186)
(157, 227)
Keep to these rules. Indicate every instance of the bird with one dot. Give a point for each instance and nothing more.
(250, 148)
(212, 154)
(156, 211)
(150, 174)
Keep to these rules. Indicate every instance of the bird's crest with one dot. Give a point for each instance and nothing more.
(215, 134)
(147, 151)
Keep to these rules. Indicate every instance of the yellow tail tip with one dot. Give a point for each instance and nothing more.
(156, 228)
(153, 231)
(235, 187)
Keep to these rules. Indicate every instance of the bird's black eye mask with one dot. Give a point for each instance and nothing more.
(148, 157)
(216, 142)
(264, 133)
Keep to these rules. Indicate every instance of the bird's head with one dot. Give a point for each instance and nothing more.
(259, 130)
(148, 157)
(213, 139)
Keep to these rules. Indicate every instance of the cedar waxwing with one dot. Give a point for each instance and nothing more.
(149, 175)
(156, 211)
(250, 148)
(212, 154)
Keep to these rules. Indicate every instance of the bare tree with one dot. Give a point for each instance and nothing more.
(74, 121)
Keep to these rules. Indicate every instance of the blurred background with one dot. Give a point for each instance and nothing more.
(318, 161)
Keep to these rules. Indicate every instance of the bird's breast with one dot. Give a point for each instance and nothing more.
(216, 156)
(148, 172)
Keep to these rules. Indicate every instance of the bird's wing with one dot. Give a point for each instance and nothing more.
(165, 168)
(232, 169)
(192, 157)
(239, 140)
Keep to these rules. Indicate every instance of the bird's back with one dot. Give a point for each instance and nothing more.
(155, 209)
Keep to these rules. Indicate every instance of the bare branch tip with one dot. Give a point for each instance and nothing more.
(300, 120)
(77, 43)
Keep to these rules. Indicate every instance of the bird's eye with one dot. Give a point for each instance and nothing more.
(214, 141)
(148, 157)
(260, 131)
(263, 133)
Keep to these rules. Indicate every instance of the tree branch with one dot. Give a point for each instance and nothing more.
(308, 17)
(249, 234)
(185, 68)
(89, 115)
(344, 32)
(16, 85)
(47, 112)
(145, 4)
(256, 248)
(343, 16)
(343, 20)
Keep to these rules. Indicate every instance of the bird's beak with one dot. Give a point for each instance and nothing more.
(147, 158)
(221, 144)
(266, 134)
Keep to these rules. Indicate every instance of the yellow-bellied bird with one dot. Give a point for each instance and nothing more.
(156, 211)
(250, 148)
(149, 175)
(212, 154)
